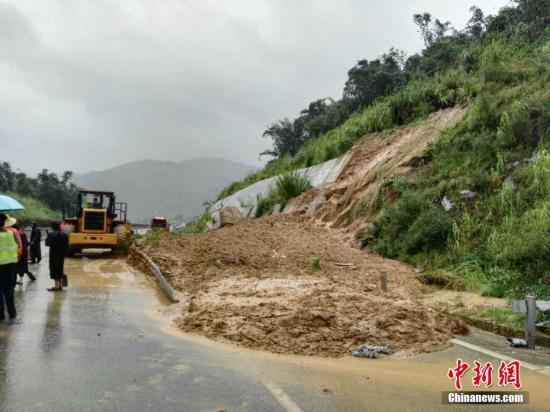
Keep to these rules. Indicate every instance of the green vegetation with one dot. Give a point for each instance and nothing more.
(315, 263)
(35, 211)
(154, 236)
(46, 187)
(287, 186)
(199, 224)
(498, 241)
(499, 66)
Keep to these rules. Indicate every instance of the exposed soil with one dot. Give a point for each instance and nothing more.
(346, 204)
(254, 284)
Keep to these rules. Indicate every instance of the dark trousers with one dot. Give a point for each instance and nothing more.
(36, 253)
(6, 296)
(7, 278)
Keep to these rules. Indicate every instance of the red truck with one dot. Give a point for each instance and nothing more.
(159, 222)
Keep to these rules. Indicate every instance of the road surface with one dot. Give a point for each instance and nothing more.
(105, 344)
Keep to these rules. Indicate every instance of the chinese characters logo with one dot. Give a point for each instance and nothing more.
(508, 373)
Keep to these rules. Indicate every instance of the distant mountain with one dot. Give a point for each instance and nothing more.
(153, 187)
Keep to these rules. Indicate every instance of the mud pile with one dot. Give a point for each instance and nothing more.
(258, 284)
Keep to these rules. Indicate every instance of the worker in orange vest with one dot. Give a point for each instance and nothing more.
(8, 260)
(8, 225)
(10, 221)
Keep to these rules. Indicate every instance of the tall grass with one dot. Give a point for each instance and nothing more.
(287, 186)
(199, 224)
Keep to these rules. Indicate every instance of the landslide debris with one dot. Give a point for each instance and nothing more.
(346, 204)
(254, 284)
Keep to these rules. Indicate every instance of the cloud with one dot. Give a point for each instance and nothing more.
(88, 85)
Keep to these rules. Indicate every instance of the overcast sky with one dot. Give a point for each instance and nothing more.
(88, 85)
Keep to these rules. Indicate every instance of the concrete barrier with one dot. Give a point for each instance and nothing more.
(245, 200)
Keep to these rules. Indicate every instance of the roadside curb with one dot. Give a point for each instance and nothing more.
(502, 330)
(152, 267)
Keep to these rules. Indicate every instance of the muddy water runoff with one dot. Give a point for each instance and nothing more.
(106, 344)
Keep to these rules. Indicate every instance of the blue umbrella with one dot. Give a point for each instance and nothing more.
(9, 203)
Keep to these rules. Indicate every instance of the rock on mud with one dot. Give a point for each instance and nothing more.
(230, 216)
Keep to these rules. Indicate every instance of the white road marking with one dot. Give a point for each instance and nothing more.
(280, 395)
(543, 369)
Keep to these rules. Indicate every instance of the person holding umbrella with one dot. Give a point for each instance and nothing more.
(8, 260)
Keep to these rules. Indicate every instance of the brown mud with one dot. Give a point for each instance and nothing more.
(254, 284)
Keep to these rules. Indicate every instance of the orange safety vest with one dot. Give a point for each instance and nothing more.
(19, 240)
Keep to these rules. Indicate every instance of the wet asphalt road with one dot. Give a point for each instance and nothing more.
(98, 346)
(82, 350)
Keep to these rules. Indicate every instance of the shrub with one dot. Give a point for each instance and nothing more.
(290, 185)
(287, 186)
(525, 123)
(523, 241)
(429, 231)
(315, 263)
(264, 204)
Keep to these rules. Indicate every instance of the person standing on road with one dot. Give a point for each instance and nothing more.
(58, 243)
(22, 267)
(9, 223)
(36, 248)
(8, 260)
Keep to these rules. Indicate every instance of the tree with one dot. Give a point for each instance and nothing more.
(287, 137)
(24, 185)
(423, 22)
(536, 14)
(533, 15)
(476, 24)
(321, 116)
(369, 80)
(431, 32)
(46, 187)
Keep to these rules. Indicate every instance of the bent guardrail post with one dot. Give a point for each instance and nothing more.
(166, 287)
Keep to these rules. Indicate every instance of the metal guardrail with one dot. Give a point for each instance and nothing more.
(166, 287)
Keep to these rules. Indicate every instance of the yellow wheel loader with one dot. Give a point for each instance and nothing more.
(94, 220)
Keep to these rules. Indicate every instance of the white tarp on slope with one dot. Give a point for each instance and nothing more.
(245, 199)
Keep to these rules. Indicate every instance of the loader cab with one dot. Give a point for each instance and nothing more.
(94, 211)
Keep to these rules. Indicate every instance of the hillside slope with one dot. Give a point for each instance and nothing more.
(35, 211)
(153, 187)
(346, 203)
(475, 212)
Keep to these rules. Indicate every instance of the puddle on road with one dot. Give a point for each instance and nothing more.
(99, 271)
